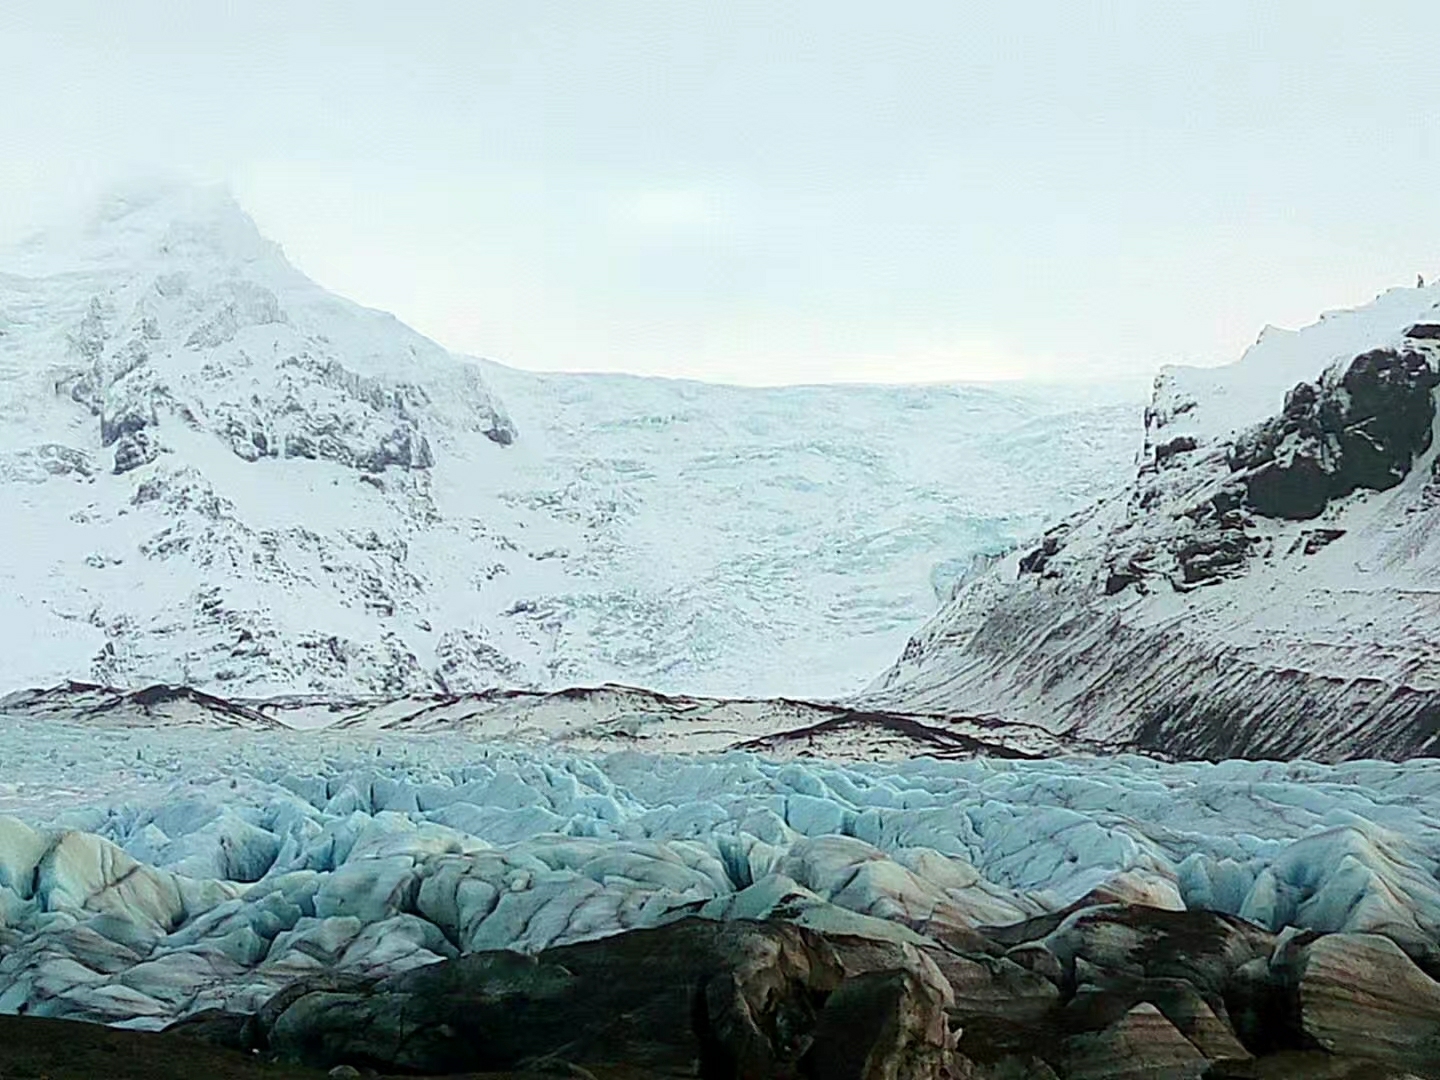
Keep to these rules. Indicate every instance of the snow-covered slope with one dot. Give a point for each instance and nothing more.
(211, 466)
(1269, 583)
(215, 473)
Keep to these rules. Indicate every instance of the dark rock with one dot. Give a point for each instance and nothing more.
(1424, 331)
(1208, 557)
(1362, 430)
(1034, 562)
(1227, 500)
(1119, 578)
(1181, 444)
(134, 450)
(1312, 540)
(501, 430)
(1299, 491)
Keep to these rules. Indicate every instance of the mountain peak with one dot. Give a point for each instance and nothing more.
(147, 221)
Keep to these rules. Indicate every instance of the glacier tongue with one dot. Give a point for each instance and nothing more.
(187, 868)
(218, 474)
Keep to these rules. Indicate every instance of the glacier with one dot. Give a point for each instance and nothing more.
(147, 873)
(217, 473)
(349, 686)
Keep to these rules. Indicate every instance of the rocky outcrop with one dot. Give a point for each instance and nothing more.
(1262, 588)
(1362, 429)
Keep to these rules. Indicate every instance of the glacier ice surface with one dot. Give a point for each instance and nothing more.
(149, 873)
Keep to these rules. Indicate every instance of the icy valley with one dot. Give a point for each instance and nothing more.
(363, 706)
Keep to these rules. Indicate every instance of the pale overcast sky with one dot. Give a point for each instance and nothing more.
(772, 191)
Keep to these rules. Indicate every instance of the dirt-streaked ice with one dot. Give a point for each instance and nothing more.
(147, 873)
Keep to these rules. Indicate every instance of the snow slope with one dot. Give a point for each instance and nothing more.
(216, 473)
(1267, 584)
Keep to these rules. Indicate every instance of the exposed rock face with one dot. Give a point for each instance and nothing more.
(1263, 587)
(1363, 430)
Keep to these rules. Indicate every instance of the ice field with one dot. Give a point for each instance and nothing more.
(148, 873)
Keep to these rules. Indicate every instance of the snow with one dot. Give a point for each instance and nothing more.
(217, 474)
(1224, 400)
(150, 872)
(315, 498)
(1318, 636)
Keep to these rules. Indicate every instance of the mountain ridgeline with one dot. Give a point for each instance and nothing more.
(1267, 585)
(218, 474)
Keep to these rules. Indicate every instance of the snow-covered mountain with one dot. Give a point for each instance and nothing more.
(1268, 584)
(214, 472)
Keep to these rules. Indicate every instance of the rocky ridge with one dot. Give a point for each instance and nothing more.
(1263, 588)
